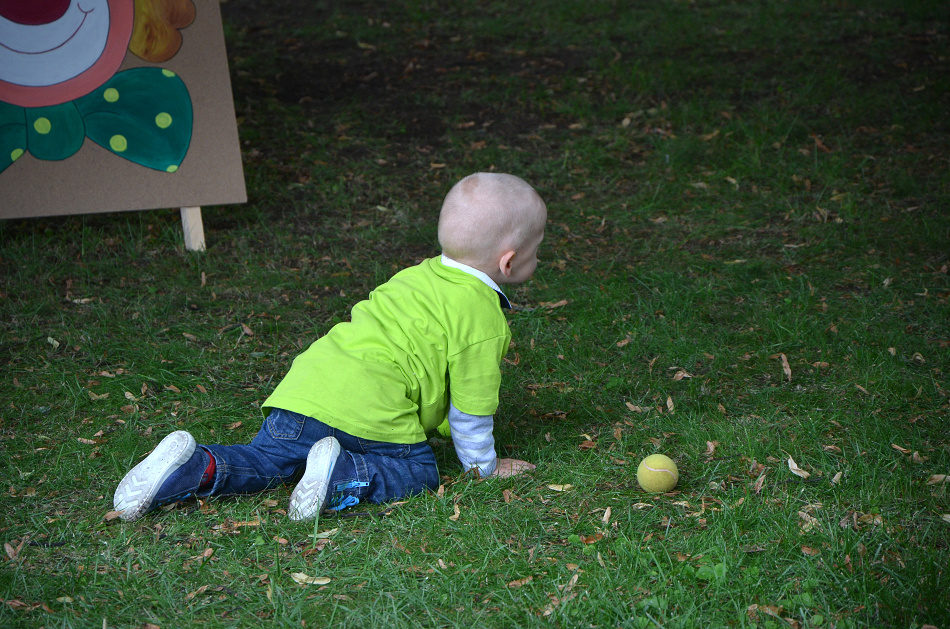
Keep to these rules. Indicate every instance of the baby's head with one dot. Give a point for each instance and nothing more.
(494, 223)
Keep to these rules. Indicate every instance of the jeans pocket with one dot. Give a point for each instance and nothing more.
(383, 448)
(285, 425)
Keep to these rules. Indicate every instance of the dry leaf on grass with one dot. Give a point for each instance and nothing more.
(561, 487)
(808, 522)
(786, 368)
(936, 479)
(455, 516)
(797, 471)
(304, 579)
(517, 583)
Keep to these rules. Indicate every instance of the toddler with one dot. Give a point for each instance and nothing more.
(354, 409)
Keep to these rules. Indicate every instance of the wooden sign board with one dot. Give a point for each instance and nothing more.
(145, 121)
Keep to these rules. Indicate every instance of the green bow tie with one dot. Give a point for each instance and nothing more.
(142, 114)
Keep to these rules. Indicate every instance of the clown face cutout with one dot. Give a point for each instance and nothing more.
(54, 51)
(59, 82)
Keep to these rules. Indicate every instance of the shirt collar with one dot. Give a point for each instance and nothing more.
(447, 261)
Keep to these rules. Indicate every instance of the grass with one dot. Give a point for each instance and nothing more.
(730, 186)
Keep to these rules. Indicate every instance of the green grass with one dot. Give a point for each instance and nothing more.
(728, 183)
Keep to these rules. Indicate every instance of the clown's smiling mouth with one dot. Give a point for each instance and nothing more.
(85, 14)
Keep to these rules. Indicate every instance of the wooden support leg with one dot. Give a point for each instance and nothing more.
(193, 228)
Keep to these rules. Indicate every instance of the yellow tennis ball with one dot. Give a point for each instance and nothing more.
(444, 429)
(657, 474)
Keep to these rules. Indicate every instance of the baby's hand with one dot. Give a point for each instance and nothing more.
(511, 467)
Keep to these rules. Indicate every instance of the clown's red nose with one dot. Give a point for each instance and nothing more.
(33, 12)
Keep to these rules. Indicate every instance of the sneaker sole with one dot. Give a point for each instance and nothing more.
(308, 496)
(136, 492)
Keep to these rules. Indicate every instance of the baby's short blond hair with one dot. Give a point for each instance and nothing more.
(486, 214)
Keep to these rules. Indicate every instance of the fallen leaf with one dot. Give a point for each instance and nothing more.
(88, 442)
(669, 404)
(636, 409)
(561, 487)
(588, 445)
(606, 518)
(190, 337)
(234, 426)
(808, 522)
(304, 579)
(517, 583)
(831, 449)
(592, 539)
(326, 534)
(711, 448)
(836, 479)
(455, 516)
(247, 331)
(811, 552)
(786, 367)
(873, 519)
(112, 515)
(900, 449)
(200, 590)
(945, 517)
(936, 479)
(797, 471)
(172, 388)
(97, 396)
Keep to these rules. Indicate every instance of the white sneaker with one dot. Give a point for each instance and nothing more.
(136, 494)
(310, 494)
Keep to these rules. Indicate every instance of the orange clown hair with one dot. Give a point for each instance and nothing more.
(156, 36)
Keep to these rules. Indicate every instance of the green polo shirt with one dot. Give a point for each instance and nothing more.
(385, 374)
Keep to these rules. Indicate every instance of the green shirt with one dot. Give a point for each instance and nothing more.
(384, 375)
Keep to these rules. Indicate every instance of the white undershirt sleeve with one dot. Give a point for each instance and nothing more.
(474, 440)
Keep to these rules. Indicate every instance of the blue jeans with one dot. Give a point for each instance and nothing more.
(370, 471)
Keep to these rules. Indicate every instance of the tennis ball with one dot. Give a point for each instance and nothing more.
(444, 429)
(657, 474)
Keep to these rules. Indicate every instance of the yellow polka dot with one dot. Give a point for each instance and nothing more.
(15, 154)
(168, 73)
(111, 95)
(171, 168)
(118, 143)
(163, 120)
(42, 125)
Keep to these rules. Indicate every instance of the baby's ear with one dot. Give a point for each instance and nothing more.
(504, 263)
